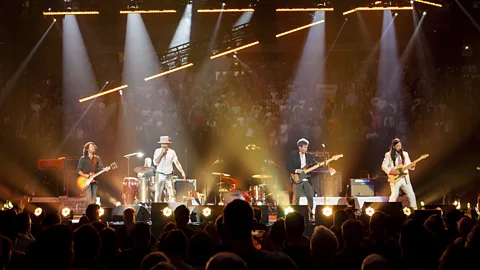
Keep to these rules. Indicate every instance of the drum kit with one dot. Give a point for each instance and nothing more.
(139, 190)
(257, 191)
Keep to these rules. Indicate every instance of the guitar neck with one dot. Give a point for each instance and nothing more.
(98, 173)
(415, 161)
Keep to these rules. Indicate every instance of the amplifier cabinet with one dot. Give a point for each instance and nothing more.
(362, 188)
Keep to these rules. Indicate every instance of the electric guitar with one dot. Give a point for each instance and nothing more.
(84, 182)
(403, 170)
(298, 177)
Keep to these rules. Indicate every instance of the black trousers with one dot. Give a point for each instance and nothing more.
(303, 189)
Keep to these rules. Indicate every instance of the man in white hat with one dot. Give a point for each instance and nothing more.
(164, 158)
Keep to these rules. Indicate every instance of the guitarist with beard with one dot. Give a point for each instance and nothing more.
(89, 164)
(300, 159)
(393, 158)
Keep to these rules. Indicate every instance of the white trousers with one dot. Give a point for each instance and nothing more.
(163, 181)
(407, 188)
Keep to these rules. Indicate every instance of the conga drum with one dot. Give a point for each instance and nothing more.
(130, 188)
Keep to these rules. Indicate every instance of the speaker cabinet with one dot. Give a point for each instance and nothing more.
(326, 184)
(361, 188)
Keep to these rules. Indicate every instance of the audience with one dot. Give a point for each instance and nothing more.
(225, 260)
(182, 216)
(131, 258)
(423, 242)
(124, 233)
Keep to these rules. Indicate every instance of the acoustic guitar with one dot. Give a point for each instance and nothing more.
(298, 177)
(403, 170)
(84, 182)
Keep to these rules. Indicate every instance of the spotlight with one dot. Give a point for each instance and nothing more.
(422, 203)
(259, 203)
(407, 211)
(118, 204)
(167, 211)
(101, 212)
(466, 47)
(140, 154)
(396, 14)
(424, 13)
(206, 212)
(54, 20)
(288, 210)
(120, 92)
(38, 211)
(223, 4)
(234, 56)
(327, 211)
(66, 212)
(411, 2)
(370, 211)
(468, 205)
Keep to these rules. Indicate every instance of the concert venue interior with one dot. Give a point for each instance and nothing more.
(235, 84)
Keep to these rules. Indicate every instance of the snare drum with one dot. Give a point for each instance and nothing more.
(130, 188)
(256, 192)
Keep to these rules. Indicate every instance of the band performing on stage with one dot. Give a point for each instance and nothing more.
(155, 181)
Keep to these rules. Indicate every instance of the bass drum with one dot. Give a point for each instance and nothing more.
(130, 188)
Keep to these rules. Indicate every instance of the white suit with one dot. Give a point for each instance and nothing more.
(404, 183)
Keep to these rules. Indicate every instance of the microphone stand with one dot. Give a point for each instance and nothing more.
(206, 187)
(326, 166)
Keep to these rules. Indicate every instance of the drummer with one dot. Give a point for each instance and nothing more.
(147, 164)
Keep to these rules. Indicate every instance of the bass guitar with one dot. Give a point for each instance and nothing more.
(298, 177)
(84, 182)
(403, 170)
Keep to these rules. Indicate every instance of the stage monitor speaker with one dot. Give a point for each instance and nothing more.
(162, 213)
(283, 210)
(207, 213)
(361, 188)
(445, 208)
(142, 213)
(324, 214)
(422, 215)
(394, 209)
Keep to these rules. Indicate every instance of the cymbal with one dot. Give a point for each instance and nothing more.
(229, 180)
(262, 176)
(220, 173)
(141, 169)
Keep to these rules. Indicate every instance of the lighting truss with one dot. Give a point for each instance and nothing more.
(428, 3)
(302, 9)
(154, 11)
(59, 13)
(218, 10)
(235, 49)
(168, 72)
(299, 28)
(376, 9)
(104, 93)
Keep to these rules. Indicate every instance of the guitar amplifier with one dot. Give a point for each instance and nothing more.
(184, 189)
(362, 188)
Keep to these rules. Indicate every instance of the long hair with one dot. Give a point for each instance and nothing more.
(393, 153)
(85, 148)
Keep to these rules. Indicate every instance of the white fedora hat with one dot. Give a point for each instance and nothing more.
(164, 139)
